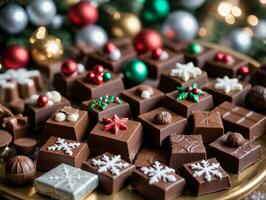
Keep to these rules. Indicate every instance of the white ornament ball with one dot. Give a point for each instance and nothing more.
(180, 25)
(260, 29)
(13, 19)
(41, 12)
(193, 4)
(57, 22)
(92, 35)
(239, 40)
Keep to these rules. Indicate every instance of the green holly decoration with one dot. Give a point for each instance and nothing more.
(107, 76)
(195, 48)
(191, 93)
(103, 102)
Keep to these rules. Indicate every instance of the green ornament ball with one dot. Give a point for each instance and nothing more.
(155, 10)
(107, 76)
(195, 48)
(135, 72)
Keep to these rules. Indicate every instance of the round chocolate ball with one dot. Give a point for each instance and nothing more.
(256, 98)
(20, 170)
(235, 140)
(144, 91)
(162, 118)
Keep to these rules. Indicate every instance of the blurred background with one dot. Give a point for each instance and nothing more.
(240, 25)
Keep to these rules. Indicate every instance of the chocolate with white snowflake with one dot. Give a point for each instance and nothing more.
(113, 171)
(56, 151)
(228, 84)
(158, 182)
(205, 176)
(66, 182)
(185, 71)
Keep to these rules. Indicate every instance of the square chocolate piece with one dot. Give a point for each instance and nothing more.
(179, 77)
(148, 182)
(110, 105)
(113, 56)
(85, 89)
(39, 113)
(208, 124)
(205, 176)
(118, 136)
(224, 65)
(158, 124)
(68, 123)
(250, 124)
(57, 151)
(113, 172)
(51, 69)
(234, 152)
(226, 89)
(186, 107)
(142, 98)
(166, 60)
(146, 156)
(185, 149)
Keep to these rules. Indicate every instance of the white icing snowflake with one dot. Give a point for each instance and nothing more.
(158, 172)
(228, 84)
(256, 196)
(185, 71)
(112, 164)
(204, 168)
(62, 145)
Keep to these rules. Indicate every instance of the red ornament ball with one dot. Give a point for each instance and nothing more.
(219, 56)
(188, 89)
(90, 76)
(156, 53)
(227, 59)
(109, 47)
(83, 13)
(147, 40)
(42, 100)
(244, 70)
(196, 91)
(15, 57)
(69, 67)
(98, 79)
(98, 70)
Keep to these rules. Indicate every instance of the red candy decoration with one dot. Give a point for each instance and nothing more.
(98, 79)
(42, 100)
(69, 67)
(188, 89)
(156, 53)
(244, 70)
(147, 40)
(227, 58)
(98, 69)
(219, 56)
(15, 57)
(90, 76)
(114, 124)
(196, 91)
(109, 47)
(96, 75)
(83, 13)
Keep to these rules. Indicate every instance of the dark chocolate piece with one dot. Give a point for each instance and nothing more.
(142, 101)
(68, 123)
(186, 107)
(234, 153)
(256, 99)
(250, 124)
(20, 170)
(113, 172)
(208, 124)
(165, 61)
(51, 69)
(146, 156)
(57, 150)
(148, 182)
(228, 90)
(5, 140)
(25, 146)
(206, 176)
(259, 76)
(157, 133)
(185, 149)
(125, 142)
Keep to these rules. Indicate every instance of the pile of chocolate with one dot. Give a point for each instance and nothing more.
(193, 120)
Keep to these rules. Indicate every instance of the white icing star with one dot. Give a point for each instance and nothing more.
(227, 85)
(185, 71)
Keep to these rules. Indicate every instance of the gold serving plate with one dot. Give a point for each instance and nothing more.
(242, 184)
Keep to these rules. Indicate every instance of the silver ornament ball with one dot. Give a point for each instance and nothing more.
(180, 25)
(192, 4)
(41, 12)
(260, 29)
(13, 19)
(57, 22)
(239, 40)
(92, 35)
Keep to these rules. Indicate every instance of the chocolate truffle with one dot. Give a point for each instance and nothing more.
(162, 118)
(113, 172)
(25, 146)
(234, 152)
(256, 99)
(20, 170)
(205, 176)
(158, 182)
(259, 76)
